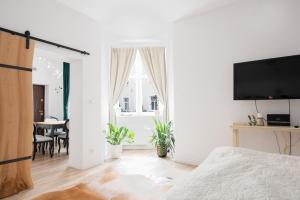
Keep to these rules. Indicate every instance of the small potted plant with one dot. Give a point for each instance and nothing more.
(163, 138)
(115, 137)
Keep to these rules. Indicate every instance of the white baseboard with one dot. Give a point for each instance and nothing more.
(136, 147)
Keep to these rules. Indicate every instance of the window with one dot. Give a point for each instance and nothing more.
(154, 102)
(127, 101)
(125, 108)
(138, 96)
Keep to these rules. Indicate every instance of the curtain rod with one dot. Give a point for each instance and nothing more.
(28, 37)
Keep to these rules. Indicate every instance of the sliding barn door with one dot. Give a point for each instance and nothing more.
(16, 114)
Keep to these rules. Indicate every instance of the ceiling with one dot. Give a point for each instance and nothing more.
(164, 10)
(134, 19)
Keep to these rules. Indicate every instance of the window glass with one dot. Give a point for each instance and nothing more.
(150, 101)
(138, 95)
(127, 101)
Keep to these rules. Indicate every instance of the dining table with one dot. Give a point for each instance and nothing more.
(52, 126)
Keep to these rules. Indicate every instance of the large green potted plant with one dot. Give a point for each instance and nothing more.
(163, 138)
(115, 137)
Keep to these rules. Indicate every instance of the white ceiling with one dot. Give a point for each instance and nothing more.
(163, 10)
(132, 19)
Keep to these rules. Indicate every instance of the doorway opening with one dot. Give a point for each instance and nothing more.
(51, 86)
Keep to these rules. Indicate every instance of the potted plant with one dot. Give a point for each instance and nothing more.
(163, 138)
(115, 137)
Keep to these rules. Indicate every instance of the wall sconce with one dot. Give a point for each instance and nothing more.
(58, 89)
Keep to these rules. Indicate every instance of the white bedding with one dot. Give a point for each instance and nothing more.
(241, 174)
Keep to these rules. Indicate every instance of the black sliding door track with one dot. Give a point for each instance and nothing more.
(27, 36)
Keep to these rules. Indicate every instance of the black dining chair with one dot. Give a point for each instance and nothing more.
(64, 136)
(42, 141)
(56, 133)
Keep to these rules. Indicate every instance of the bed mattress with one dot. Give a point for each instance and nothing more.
(241, 174)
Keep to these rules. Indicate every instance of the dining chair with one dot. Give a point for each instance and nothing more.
(64, 136)
(41, 140)
(56, 131)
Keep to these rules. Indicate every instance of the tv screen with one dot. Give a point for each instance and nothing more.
(276, 78)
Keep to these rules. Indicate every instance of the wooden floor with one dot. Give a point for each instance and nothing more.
(54, 174)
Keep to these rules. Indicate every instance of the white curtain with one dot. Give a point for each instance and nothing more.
(122, 60)
(155, 62)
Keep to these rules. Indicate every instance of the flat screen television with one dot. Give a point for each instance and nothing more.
(275, 78)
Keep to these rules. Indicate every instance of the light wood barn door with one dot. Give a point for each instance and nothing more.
(16, 114)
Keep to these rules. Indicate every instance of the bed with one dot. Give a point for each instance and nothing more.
(241, 174)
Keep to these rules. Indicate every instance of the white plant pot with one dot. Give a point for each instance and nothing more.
(115, 151)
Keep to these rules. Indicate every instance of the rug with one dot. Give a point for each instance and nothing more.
(114, 186)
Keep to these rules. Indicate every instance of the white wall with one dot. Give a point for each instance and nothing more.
(52, 21)
(76, 158)
(205, 48)
(142, 126)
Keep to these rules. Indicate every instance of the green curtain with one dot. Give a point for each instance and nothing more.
(66, 77)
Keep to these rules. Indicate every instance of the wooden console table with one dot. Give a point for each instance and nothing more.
(236, 127)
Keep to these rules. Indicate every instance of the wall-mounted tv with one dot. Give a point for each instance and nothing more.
(275, 78)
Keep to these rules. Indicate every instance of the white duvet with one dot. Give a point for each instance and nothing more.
(241, 174)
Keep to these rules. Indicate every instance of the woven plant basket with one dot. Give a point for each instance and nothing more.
(162, 151)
